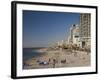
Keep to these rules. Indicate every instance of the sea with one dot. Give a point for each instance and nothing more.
(29, 53)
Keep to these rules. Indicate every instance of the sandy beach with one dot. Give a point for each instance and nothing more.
(58, 58)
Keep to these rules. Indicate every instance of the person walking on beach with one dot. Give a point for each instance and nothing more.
(49, 59)
(54, 62)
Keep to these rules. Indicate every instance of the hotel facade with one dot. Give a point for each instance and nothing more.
(85, 30)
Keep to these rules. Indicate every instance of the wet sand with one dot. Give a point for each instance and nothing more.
(63, 58)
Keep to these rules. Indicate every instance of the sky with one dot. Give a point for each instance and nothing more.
(43, 29)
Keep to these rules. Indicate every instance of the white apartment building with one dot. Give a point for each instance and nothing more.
(74, 37)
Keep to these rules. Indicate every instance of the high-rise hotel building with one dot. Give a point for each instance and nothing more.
(85, 30)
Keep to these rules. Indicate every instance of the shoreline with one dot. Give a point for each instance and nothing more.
(42, 50)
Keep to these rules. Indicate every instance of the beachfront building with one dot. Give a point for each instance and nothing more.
(85, 33)
(70, 37)
(74, 36)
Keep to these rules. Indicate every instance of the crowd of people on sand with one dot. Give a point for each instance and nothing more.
(50, 61)
(54, 61)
